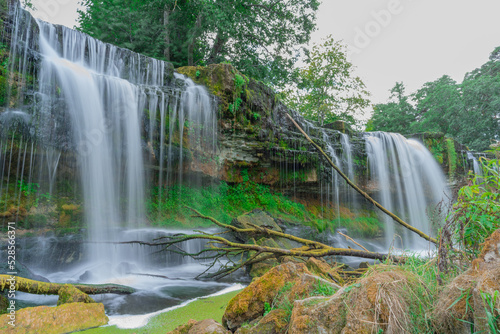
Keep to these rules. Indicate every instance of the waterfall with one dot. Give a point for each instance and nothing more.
(110, 110)
(408, 182)
(476, 165)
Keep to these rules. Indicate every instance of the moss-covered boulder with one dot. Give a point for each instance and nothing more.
(69, 294)
(318, 315)
(208, 326)
(380, 302)
(275, 322)
(249, 303)
(265, 305)
(66, 318)
(464, 300)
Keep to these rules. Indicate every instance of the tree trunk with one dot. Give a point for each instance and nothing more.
(192, 41)
(44, 288)
(219, 43)
(166, 17)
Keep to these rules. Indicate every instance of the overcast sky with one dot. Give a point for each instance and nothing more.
(413, 41)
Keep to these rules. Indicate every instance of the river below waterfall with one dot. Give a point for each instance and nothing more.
(162, 279)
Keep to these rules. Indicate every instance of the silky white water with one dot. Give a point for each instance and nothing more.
(408, 182)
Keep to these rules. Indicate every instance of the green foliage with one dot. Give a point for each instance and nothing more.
(267, 308)
(326, 90)
(239, 81)
(223, 202)
(260, 38)
(476, 214)
(282, 301)
(234, 107)
(467, 111)
(198, 73)
(492, 312)
(323, 289)
(28, 188)
(394, 116)
(4, 74)
(452, 155)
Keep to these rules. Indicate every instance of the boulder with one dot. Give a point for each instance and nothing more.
(208, 326)
(249, 303)
(255, 217)
(464, 298)
(55, 320)
(318, 315)
(69, 294)
(378, 302)
(275, 322)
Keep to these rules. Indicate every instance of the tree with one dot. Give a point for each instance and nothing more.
(396, 115)
(469, 112)
(438, 106)
(481, 97)
(260, 37)
(326, 89)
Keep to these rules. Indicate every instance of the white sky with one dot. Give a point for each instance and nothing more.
(418, 42)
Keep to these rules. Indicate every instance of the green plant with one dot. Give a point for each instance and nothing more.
(476, 214)
(267, 308)
(323, 289)
(198, 73)
(492, 312)
(233, 108)
(28, 188)
(239, 81)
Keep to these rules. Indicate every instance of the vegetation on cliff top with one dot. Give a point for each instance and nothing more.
(466, 111)
(260, 37)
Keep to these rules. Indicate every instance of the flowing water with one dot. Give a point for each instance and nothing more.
(409, 182)
(91, 99)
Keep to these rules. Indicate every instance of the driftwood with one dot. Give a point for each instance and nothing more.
(44, 288)
(234, 255)
(361, 192)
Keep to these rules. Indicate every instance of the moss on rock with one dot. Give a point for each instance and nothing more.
(69, 294)
(56, 320)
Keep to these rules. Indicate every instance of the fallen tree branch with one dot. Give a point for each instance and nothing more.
(361, 192)
(351, 239)
(44, 288)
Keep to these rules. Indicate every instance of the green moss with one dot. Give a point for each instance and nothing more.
(452, 155)
(435, 146)
(206, 308)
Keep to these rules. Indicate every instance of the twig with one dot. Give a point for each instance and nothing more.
(349, 238)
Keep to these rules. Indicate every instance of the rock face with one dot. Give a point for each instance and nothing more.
(207, 326)
(469, 291)
(54, 320)
(256, 139)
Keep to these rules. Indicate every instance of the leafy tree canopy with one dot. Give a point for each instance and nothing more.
(326, 90)
(469, 111)
(260, 37)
